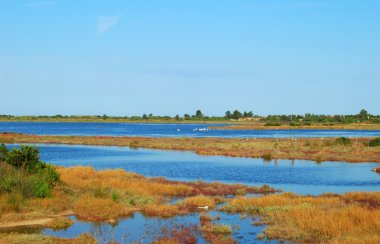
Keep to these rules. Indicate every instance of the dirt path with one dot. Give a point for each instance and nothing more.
(34, 222)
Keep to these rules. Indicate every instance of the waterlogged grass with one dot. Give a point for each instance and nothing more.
(316, 149)
(329, 218)
(110, 194)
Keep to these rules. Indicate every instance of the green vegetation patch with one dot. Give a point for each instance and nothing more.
(23, 175)
(375, 142)
(343, 141)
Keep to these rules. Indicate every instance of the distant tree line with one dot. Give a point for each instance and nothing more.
(362, 116)
(236, 114)
(293, 119)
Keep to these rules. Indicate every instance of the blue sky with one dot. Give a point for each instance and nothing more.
(172, 57)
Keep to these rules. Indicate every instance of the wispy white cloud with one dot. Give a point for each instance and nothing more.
(41, 3)
(105, 23)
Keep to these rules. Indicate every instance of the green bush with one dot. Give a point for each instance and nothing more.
(343, 141)
(26, 157)
(375, 142)
(23, 172)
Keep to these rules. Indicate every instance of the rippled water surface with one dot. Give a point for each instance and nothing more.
(165, 130)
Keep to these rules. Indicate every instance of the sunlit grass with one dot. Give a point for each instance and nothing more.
(352, 217)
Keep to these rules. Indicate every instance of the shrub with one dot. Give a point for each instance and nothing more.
(26, 157)
(343, 141)
(375, 142)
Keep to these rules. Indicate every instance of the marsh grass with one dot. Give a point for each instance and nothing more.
(327, 218)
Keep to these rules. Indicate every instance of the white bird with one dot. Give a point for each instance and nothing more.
(205, 207)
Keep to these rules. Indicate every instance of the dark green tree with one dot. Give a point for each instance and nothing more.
(228, 115)
(199, 114)
(363, 114)
(236, 114)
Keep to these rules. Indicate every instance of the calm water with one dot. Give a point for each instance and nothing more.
(165, 130)
(300, 176)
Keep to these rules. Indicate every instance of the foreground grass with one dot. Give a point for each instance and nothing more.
(110, 194)
(316, 149)
(329, 218)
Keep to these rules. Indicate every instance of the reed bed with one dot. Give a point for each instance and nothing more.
(329, 218)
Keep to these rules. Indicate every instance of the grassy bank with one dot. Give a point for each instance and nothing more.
(294, 126)
(316, 149)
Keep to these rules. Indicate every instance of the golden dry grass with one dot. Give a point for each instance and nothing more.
(165, 211)
(316, 149)
(348, 218)
(98, 209)
(109, 194)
